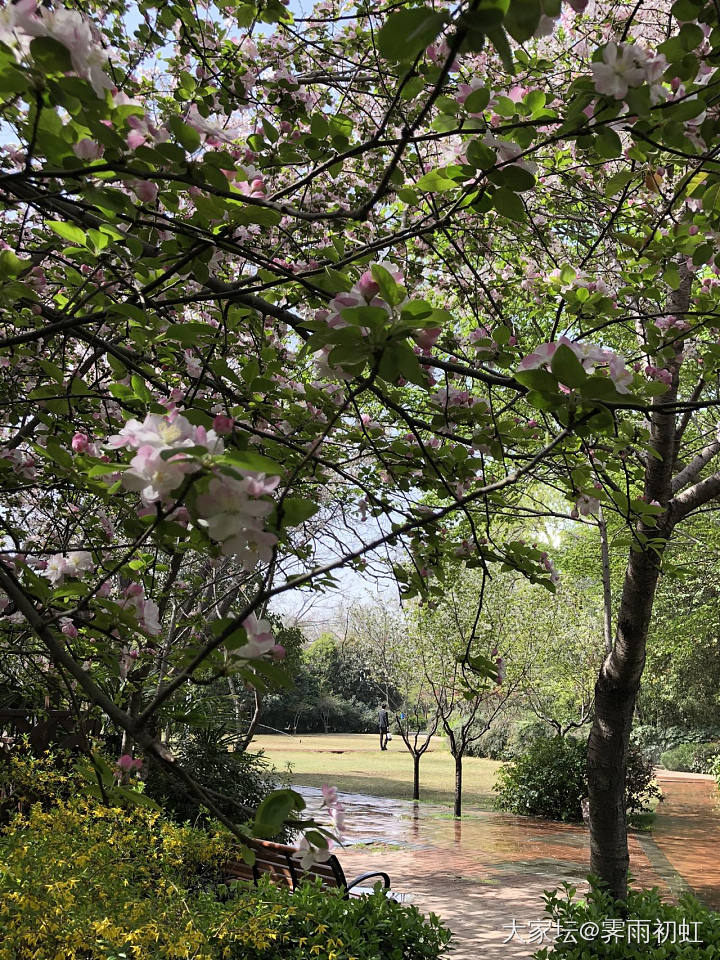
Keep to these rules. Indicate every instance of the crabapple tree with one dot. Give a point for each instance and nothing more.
(284, 294)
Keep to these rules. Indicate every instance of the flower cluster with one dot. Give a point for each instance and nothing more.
(234, 506)
(74, 564)
(155, 471)
(626, 65)
(311, 853)
(364, 293)
(126, 765)
(146, 611)
(23, 21)
(233, 510)
(590, 356)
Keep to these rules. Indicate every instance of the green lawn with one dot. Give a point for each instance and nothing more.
(354, 763)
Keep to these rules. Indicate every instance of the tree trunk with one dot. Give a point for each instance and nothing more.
(619, 680)
(416, 776)
(457, 810)
(615, 693)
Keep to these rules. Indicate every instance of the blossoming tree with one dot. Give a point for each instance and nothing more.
(289, 294)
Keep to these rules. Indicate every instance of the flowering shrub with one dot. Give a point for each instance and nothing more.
(26, 780)
(644, 909)
(86, 882)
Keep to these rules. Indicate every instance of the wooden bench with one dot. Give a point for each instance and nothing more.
(282, 864)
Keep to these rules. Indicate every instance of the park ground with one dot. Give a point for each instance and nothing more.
(354, 763)
(490, 869)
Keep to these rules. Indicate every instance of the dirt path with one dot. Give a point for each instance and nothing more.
(490, 870)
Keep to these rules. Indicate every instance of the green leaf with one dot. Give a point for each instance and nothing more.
(296, 510)
(476, 101)
(509, 204)
(51, 55)
(522, 19)
(249, 460)
(435, 182)
(186, 135)
(514, 177)
(600, 388)
(406, 33)
(499, 40)
(616, 183)
(68, 231)
(11, 265)
(567, 368)
(391, 292)
(140, 388)
(608, 144)
(487, 14)
(539, 380)
(672, 277)
(57, 453)
(274, 811)
(480, 156)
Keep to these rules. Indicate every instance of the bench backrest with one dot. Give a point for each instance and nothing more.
(281, 864)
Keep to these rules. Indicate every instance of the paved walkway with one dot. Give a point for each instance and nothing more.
(488, 870)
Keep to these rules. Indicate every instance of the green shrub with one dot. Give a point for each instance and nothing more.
(236, 778)
(654, 741)
(82, 881)
(550, 781)
(509, 738)
(524, 734)
(691, 757)
(640, 785)
(644, 910)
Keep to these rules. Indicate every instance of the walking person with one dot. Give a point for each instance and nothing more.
(384, 724)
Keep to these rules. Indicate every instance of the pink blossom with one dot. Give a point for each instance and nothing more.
(126, 763)
(330, 795)
(146, 612)
(88, 149)
(68, 627)
(223, 424)
(145, 190)
(154, 477)
(310, 854)
(80, 442)
(74, 564)
(260, 640)
(586, 505)
(541, 355)
(278, 651)
(428, 337)
(232, 513)
(19, 22)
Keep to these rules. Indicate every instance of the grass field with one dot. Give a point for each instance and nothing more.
(354, 763)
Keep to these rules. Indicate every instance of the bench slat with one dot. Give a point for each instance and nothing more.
(281, 863)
